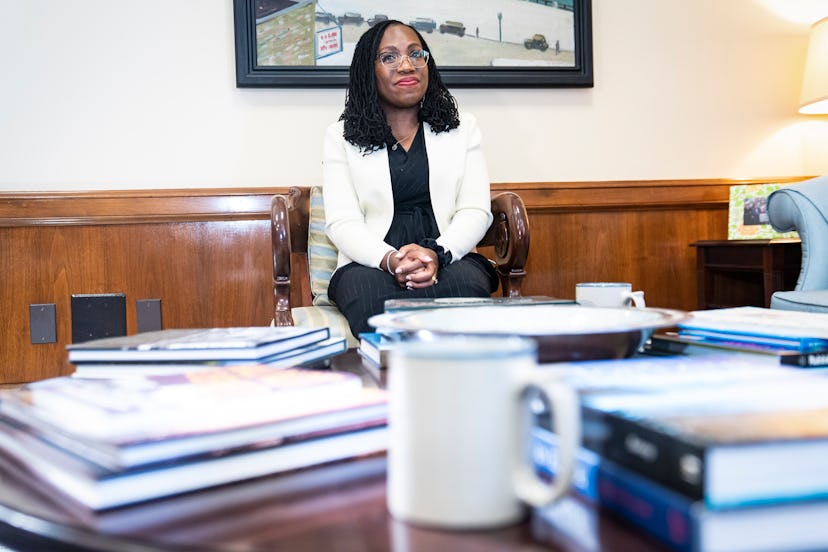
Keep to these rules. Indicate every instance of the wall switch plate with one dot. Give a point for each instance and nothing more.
(96, 316)
(149, 314)
(42, 324)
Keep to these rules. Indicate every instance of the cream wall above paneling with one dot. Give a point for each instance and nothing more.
(115, 94)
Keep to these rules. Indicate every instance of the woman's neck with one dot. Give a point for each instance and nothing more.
(403, 122)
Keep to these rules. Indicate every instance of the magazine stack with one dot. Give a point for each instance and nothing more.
(104, 443)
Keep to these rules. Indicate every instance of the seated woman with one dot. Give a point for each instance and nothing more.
(405, 184)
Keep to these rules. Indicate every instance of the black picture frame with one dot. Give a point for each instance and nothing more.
(250, 74)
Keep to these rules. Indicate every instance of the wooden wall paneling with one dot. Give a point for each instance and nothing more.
(206, 252)
(650, 249)
(206, 274)
(637, 231)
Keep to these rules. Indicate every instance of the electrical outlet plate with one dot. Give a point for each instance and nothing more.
(148, 312)
(95, 316)
(42, 324)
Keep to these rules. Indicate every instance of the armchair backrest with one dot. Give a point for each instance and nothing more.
(304, 258)
(804, 207)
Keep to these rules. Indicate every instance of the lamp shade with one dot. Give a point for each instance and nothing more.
(814, 97)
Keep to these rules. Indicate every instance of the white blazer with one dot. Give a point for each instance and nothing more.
(359, 203)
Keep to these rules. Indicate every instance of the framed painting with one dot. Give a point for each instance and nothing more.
(475, 43)
(748, 213)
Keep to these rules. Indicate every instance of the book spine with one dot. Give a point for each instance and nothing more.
(655, 454)
(658, 511)
(642, 448)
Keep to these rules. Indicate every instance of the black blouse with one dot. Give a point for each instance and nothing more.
(413, 216)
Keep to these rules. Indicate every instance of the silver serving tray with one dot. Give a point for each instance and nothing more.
(562, 332)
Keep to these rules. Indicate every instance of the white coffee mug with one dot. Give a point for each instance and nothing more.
(458, 450)
(608, 294)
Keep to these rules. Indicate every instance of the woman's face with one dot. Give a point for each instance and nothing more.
(403, 86)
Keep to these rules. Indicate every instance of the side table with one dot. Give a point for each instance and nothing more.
(735, 273)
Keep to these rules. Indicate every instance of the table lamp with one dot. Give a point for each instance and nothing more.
(814, 97)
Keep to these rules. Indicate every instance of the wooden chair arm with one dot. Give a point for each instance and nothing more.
(280, 240)
(289, 216)
(509, 234)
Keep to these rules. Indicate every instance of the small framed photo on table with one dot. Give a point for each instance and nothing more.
(748, 213)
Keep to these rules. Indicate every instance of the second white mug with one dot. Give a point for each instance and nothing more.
(608, 294)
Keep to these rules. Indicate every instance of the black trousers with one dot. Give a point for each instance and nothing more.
(360, 291)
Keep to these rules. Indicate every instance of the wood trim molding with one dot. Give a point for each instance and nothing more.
(91, 208)
(631, 194)
(210, 204)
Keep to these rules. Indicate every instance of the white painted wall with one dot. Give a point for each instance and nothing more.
(116, 94)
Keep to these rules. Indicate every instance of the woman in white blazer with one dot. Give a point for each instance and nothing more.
(405, 185)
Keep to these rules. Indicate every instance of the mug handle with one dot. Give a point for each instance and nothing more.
(637, 298)
(566, 414)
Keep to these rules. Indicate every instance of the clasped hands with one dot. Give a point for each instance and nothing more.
(414, 266)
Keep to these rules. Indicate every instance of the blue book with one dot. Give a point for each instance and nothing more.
(375, 347)
(674, 519)
(795, 330)
(688, 343)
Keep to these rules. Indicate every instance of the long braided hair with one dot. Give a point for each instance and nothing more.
(365, 124)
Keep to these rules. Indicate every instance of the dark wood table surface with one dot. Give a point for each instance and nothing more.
(339, 507)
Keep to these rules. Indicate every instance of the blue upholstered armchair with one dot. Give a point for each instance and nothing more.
(804, 207)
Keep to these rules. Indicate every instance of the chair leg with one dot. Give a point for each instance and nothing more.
(281, 296)
(510, 281)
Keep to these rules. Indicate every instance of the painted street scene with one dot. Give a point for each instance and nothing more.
(461, 33)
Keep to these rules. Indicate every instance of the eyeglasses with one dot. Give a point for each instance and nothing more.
(392, 60)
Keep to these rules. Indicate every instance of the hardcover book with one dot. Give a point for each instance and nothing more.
(803, 331)
(678, 521)
(690, 344)
(375, 347)
(308, 355)
(250, 343)
(727, 458)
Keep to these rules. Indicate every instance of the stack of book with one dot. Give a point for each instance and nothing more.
(790, 337)
(108, 443)
(177, 350)
(706, 453)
